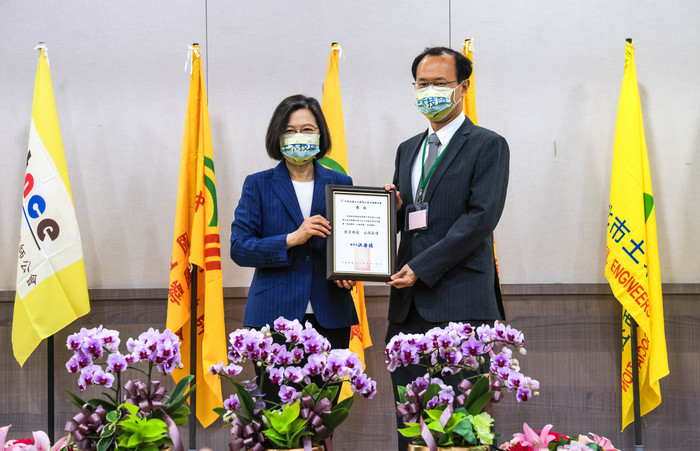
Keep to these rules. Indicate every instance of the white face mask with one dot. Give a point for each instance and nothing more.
(435, 102)
(300, 148)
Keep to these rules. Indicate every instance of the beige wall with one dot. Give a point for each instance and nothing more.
(548, 74)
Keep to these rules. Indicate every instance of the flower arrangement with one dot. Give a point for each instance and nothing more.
(40, 442)
(136, 415)
(546, 440)
(306, 414)
(434, 414)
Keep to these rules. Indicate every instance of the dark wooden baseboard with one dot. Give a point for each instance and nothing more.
(572, 334)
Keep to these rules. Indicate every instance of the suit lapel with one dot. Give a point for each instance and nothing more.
(281, 184)
(407, 171)
(454, 147)
(321, 179)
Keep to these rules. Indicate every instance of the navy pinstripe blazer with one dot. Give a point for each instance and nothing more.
(454, 257)
(285, 280)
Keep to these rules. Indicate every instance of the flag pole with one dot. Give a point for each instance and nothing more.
(193, 352)
(193, 359)
(50, 407)
(638, 446)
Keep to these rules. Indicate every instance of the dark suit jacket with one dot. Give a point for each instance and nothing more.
(454, 257)
(285, 280)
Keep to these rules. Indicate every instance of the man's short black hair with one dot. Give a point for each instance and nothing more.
(462, 63)
(280, 119)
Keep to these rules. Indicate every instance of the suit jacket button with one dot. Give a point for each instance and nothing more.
(308, 259)
(416, 235)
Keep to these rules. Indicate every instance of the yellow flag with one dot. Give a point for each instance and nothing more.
(51, 286)
(196, 242)
(337, 159)
(632, 261)
(469, 104)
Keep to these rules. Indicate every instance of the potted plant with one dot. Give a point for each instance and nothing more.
(137, 415)
(435, 416)
(306, 415)
(546, 440)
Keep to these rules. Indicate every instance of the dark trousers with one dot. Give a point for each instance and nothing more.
(338, 338)
(404, 375)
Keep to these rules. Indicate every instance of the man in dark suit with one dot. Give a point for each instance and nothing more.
(451, 185)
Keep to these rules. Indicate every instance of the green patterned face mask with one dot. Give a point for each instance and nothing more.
(300, 148)
(435, 102)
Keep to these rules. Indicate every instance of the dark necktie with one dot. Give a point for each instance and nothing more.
(433, 143)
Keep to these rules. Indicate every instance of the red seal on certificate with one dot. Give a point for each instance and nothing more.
(362, 259)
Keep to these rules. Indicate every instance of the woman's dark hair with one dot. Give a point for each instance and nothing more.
(280, 119)
(462, 63)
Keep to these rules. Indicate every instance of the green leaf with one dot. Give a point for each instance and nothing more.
(333, 420)
(445, 440)
(153, 429)
(412, 430)
(430, 393)
(220, 410)
(282, 420)
(246, 400)
(133, 440)
(180, 415)
(275, 437)
(434, 414)
(179, 389)
(402, 393)
(104, 444)
(454, 419)
(435, 426)
(296, 431)
(131, 408)
(112, 416)
(478, 389)
(478, 405)
(345, 403)
(329, 393)
(108, 430)
(311, 389)
(75, 399)
(465, 429)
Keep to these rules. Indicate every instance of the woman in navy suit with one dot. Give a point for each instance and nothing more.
(280, 228)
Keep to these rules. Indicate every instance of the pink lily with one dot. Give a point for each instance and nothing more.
(604, 443)
(60, 444)
(3, 434)
(41, 442)
(538, 442)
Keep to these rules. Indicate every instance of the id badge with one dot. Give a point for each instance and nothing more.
(416, 217)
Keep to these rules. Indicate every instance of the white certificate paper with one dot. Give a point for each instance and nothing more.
(361, 233)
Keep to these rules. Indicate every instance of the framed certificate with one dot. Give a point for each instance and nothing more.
(362, 245)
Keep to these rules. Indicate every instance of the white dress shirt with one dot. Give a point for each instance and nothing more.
(444, 135)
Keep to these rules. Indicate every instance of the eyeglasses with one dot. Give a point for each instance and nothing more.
(437, 84)
(307, 130)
